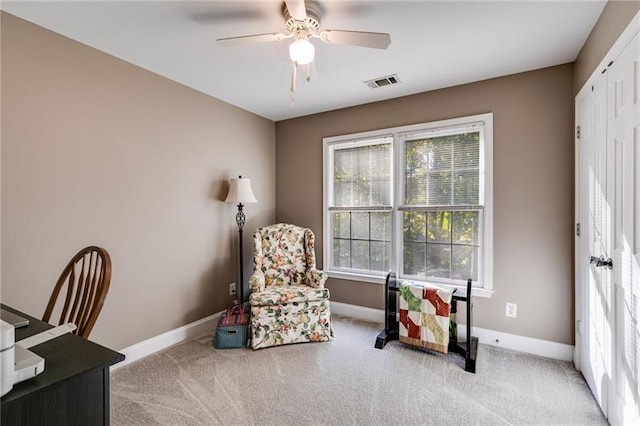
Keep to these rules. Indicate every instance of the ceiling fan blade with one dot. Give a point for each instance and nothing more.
(297, 9)
(250, 39)
(356, 38)
(226, 16)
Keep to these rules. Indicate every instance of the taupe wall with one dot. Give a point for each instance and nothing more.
(533, 189)
(98, 151)
(614, 19)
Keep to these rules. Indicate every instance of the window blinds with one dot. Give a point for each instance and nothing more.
(442, 170)
(362, 174)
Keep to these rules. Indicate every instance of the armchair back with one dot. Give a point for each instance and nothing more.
(284, 253)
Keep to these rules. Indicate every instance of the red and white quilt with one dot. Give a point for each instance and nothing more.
(424, 316)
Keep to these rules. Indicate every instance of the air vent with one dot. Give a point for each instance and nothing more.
(382, 81)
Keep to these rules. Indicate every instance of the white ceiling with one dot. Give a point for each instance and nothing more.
(433, 44)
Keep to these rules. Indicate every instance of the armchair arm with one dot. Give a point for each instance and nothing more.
(316, 277)
(257, 282)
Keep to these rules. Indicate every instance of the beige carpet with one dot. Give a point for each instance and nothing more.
(347, 381)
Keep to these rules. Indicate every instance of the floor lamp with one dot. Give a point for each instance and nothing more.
(240, 193)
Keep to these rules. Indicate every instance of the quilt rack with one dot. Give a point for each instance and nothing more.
(468, 349)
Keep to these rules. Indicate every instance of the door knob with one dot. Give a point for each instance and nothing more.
(605, 262)
(601, 261)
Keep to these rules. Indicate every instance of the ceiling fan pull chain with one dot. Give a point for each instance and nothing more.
(292, 89)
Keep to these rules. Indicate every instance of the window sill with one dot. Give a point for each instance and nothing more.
(376, 279)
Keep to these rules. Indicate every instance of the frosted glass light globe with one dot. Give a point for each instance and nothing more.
(302, 51)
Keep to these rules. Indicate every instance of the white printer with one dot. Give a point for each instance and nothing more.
(17, 362)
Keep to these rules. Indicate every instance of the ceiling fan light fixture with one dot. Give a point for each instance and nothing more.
(302, 51)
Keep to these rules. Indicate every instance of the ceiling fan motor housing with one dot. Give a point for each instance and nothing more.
(310, 25)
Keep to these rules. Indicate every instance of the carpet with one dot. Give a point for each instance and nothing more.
(347, 381)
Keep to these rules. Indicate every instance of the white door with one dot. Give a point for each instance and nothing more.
(594, 244)
(623, 149)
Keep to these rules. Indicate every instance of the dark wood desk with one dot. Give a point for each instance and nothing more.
(73, 389)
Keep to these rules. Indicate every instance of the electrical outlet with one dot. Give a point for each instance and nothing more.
(511, 310)
(232, 289)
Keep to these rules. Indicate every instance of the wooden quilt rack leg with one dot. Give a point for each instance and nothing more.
(468, 349)
(391, 328)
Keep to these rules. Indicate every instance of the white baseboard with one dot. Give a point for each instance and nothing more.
(208, 324)
(515, 342)
(485, 336)
(170, 338)
(358, 312)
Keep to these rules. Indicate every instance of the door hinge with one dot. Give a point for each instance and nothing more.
(577, 229)
(578, 330)
(578, 132)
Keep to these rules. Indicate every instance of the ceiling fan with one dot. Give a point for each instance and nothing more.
(302, 21)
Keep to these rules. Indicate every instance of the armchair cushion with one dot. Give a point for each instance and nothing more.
(290, 294)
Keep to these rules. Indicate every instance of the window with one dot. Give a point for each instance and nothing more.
(360, 215)
(415, 199)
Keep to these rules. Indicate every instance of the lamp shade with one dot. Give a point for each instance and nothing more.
(240, 191)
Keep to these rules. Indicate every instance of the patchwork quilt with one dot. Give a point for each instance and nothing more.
(424, 315)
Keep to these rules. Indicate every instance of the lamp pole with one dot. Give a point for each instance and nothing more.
(240, 220)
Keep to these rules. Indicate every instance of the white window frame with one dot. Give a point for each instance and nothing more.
(485, 277)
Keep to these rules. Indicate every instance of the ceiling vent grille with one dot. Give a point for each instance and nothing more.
(382, 81)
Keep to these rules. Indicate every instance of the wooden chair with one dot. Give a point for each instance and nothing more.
(86, 279)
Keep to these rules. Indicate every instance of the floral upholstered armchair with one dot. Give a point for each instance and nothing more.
(289, 303)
